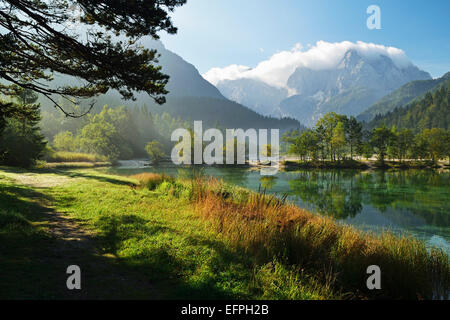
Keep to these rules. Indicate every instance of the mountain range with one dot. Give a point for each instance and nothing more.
(350, 87)
(356, 86)
(190, 97)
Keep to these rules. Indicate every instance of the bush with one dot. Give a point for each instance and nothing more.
(152, 180)
(155, 151)
(21, 144)
(65, 141)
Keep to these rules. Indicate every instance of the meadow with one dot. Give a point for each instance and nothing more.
(153, 236)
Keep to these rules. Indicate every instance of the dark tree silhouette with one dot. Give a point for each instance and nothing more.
(102, 50)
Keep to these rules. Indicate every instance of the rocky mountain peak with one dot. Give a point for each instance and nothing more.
(350, 87)
(350, 60)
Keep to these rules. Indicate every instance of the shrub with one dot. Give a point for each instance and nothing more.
(21, 143)
(152, 180)
(155, 151)
(65, 141)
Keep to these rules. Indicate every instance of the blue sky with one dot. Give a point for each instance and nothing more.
(218, 33)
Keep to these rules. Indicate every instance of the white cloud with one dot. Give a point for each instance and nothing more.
(232, 72)
(323, 55)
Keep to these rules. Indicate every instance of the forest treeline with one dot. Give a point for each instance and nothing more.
(115, 133)
(111, 133)
(337, 137)
(21, 141)
(431, 111)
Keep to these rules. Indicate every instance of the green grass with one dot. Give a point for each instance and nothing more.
(24, 243)
(157, 237)
(152, 237)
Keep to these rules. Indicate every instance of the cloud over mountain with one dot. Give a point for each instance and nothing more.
(322, 56)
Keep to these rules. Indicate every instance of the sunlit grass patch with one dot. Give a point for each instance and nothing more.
(65, 156)
(201, 238)
(152, 180)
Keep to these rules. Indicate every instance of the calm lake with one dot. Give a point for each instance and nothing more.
(414, 202)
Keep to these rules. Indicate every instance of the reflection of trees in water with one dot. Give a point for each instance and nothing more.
(423, 193)
(343, 193)
(230, 175)
(268, 182)
(331, 192)
(190, 172)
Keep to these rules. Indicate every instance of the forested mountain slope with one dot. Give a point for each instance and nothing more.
(432, 111)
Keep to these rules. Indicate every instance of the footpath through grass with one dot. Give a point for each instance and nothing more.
(137, 243)
(152, 236)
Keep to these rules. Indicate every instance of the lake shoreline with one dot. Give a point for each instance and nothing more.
(363, 165)
(266, 237)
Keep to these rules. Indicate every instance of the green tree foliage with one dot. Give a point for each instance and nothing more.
(99, 137)
(338, 141)
(432, 111)
(21, 142)
(165, 124)
(437, 143)
(402, 142)
(132, 128)
(36, 41)
(333, 137)
(304, 144)
(381, 139)
(336, 137)
(354, 135)
(155, 151)
(65, 141)
(110, 133)
(55, 121)
(113, 132)
(331, 129)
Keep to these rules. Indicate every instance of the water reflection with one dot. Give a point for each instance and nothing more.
(268, 182)
(331, 193)
(344, 194)
(410, 201)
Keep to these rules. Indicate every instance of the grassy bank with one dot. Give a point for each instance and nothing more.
(170, 238)
(362, 165)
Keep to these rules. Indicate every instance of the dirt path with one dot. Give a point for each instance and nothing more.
(102, 276)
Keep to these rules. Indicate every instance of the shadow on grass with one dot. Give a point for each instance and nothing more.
(70, 173)
(39, 244)
(159, 264)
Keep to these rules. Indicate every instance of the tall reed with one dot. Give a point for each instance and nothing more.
(152, 180)
(267, 227)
